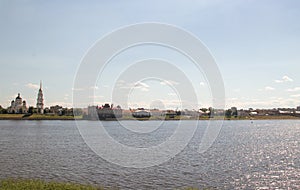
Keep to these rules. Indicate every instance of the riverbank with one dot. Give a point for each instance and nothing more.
(63, 117)
(37, 117)
(19, 184)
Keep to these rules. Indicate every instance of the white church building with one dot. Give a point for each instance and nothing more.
(17, 105)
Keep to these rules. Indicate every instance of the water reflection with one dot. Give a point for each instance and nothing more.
(262, 154)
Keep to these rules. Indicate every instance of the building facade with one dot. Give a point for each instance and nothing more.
(40, 101)
(57, 110)
(17, 105)
(104, 112)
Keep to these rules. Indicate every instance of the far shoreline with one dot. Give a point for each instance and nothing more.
(128, 118)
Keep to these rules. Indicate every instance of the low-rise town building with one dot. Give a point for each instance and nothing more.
(57, 110)
(141, 113)
(103, 112)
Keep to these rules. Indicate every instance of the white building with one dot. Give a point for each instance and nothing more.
(141, 113)
(40, 101)
(17, 105)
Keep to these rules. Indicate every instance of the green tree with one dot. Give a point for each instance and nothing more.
(2, 110)
(31, 109)
(234, 113)
(204, 110)
(228, 113)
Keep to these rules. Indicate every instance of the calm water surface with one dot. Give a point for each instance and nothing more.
(258, 155)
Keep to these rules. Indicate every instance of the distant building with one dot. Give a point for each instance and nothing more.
(234, 111)
(40, 101)
(104, 112)
(156, 112)
(298, 108)
(253, 113)
(170, 114)
(57, 110)
(243, 113)
(141, 113)
(285, 112)
(92, 112)
(17, 105)
(108, 111)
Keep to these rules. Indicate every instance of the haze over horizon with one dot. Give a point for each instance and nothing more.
(255, 45)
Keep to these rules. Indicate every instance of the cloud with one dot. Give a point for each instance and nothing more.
(141, 85)
(66, 97)
(96, 96)
(172, 94)
(287, 79)
(269, 88)
(293, 89)
(77, 89)
(94, 87)
(284, 79)
(32, 86)
(295, 95)
(270, 102)
(144, 89)
(168, 82)
(138, 85)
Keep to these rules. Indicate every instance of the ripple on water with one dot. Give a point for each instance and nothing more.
(259, 155)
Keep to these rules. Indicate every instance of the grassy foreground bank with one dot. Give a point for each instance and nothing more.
(18, 184)
(37, 117)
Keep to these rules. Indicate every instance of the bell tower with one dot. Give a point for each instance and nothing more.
(40, 101)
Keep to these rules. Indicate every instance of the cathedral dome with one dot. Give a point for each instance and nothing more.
(18, 97)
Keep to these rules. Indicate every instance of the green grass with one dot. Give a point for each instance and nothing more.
(274, 117)
(37, 117)
(54, 117)
(11, 116)
(13, 184)
(22, 184)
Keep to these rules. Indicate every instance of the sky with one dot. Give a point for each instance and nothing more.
(255, 45)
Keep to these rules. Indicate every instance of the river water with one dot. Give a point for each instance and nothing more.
(245, 155)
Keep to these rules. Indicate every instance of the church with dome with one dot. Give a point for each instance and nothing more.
(17, 105)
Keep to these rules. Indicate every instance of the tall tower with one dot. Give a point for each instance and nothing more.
(40, 101)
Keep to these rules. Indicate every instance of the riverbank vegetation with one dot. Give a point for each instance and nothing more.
(19, 184)
(37, 117)
(129, 117)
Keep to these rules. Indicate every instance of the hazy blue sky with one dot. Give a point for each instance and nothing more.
(255, 43)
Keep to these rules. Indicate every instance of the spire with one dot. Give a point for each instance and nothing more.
(40, 100)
